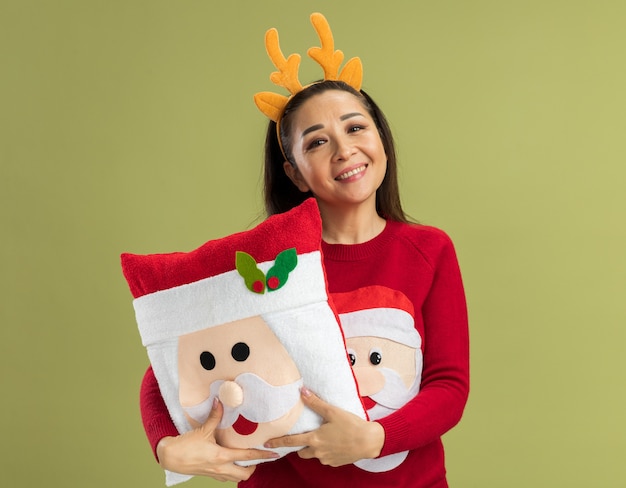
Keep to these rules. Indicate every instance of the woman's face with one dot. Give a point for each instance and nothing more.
(337, 149)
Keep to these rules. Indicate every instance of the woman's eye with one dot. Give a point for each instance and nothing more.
(315, 143)
(356, 128)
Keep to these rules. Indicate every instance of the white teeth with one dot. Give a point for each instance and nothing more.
(350, 173)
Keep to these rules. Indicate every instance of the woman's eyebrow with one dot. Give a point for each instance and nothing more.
(321, 126)
(350, 115)
(311, 129)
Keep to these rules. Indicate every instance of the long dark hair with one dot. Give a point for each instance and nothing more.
(280, 194)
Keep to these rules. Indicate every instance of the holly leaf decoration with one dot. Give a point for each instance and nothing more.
(247, 267)
(284, 264)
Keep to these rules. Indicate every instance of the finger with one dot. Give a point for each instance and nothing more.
(306, 453)
(316, 404)
(240, 473)
(295, 440)
(251, 454)
(215, 415)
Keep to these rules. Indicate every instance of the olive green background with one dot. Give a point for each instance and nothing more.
(129, 126)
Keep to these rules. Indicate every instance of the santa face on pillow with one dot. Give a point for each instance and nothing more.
(385, 353)
(246, 320)
(385, 371)
(245, 366)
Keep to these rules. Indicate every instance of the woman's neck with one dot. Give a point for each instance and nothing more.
(350, 225)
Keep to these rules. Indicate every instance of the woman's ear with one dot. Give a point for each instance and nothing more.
(296, 177)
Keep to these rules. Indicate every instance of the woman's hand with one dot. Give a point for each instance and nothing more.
(197, 453)
(343, 438)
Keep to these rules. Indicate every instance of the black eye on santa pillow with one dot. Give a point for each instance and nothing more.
(240, 351)
(376, 357)
(352, 357)
(207, 360)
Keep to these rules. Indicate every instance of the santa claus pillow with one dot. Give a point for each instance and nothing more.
(385, 350)
(246, 319)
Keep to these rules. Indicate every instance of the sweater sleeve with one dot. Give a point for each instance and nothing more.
(154, 414)
(445, 378)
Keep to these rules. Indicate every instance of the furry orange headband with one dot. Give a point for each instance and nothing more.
(273, 104)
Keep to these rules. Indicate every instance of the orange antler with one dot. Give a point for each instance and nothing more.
(329, 59)
(272, 104)
(287, 74)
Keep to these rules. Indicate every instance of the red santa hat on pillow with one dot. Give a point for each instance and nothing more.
(274, 271)
(378, 311)
(229, 279)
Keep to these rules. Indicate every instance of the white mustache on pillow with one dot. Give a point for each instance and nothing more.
(394, 394)
(262, 402)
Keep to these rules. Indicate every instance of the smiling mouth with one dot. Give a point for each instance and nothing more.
(368, 403)
(352, 172)
(243, 426)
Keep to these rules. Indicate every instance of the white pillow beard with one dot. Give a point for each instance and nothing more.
(394, 395)
(262, 402)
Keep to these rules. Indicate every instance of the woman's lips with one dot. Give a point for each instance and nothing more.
(351, 172)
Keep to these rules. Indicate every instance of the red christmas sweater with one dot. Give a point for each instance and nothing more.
(420, 262)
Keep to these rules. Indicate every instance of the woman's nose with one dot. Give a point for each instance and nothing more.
(343, 150)
(230, 394)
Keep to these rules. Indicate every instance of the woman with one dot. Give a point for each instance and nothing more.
(332, 142)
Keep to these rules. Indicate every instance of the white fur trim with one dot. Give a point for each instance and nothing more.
(224, 298)
(388, 323)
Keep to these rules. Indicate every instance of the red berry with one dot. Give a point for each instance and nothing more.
(273, 283)
(258, 286)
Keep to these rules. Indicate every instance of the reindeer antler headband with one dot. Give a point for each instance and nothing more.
(273, 104)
